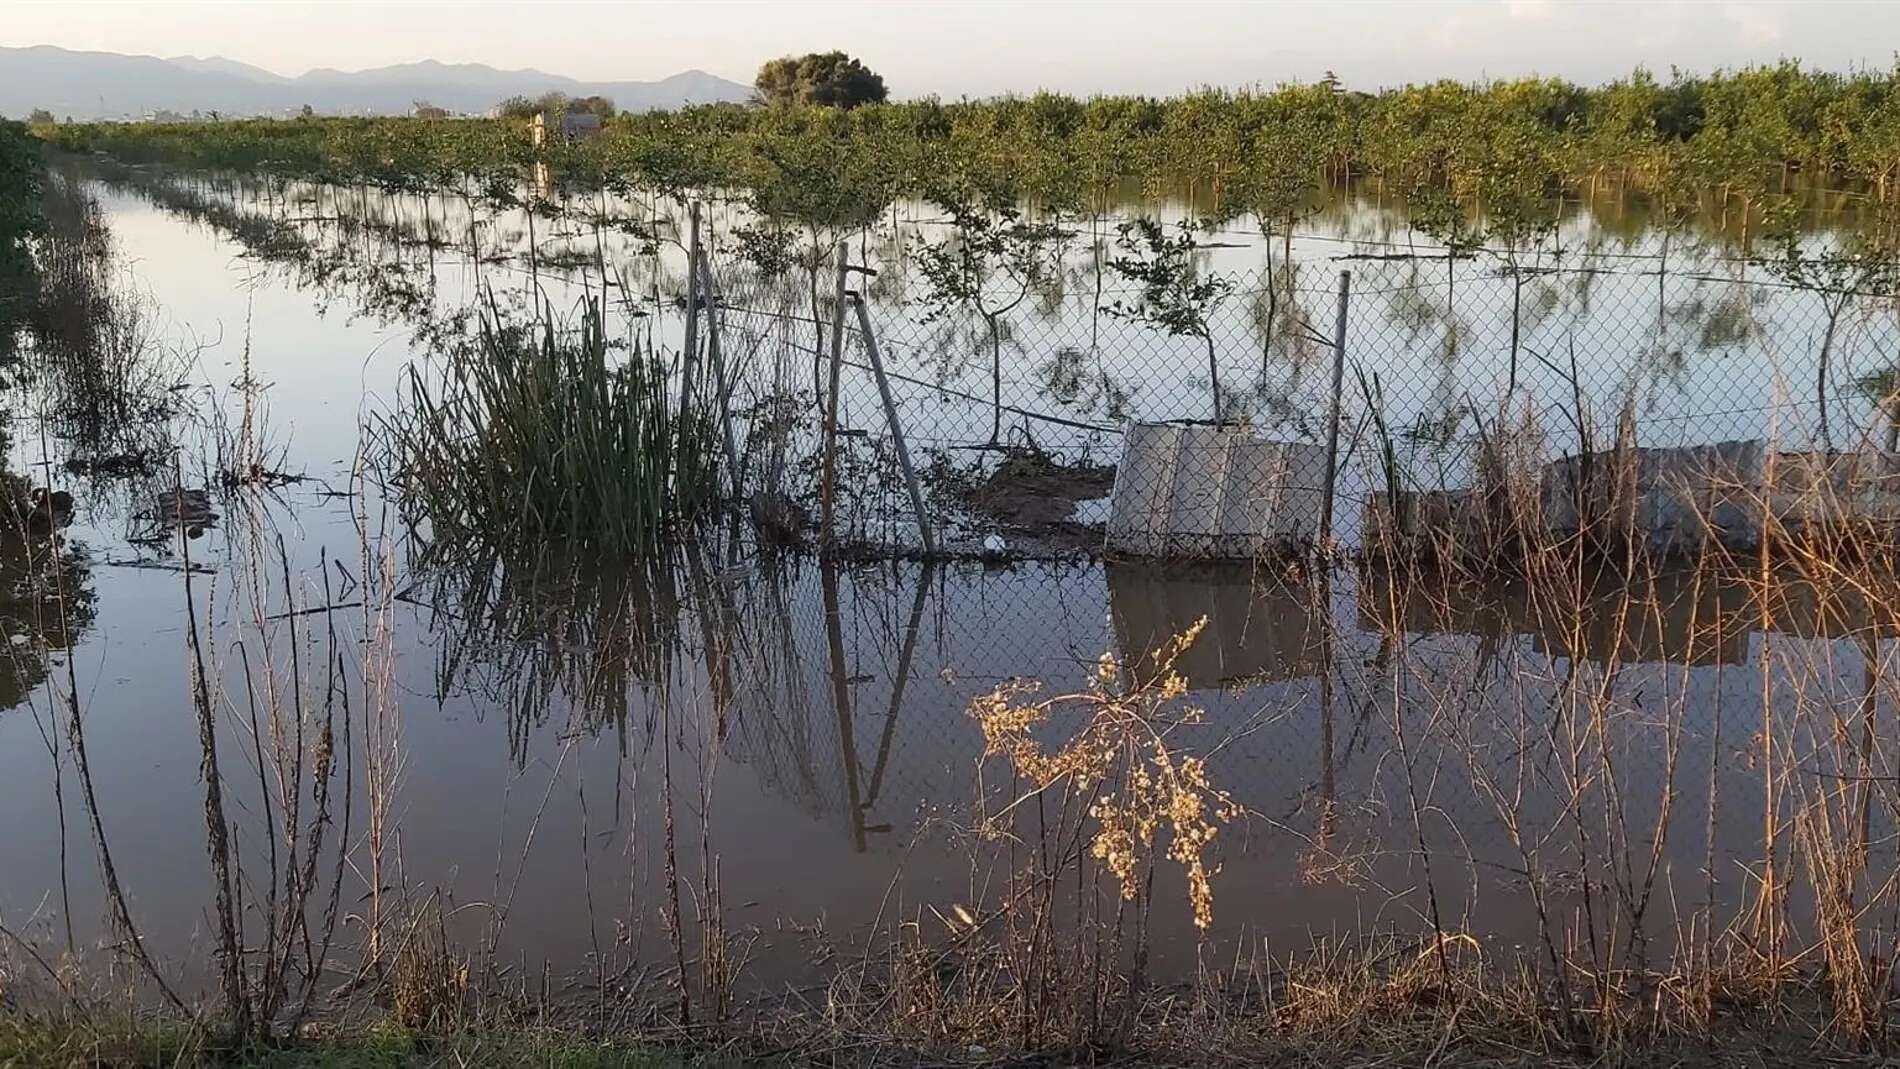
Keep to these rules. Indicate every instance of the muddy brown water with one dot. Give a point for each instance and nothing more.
(816, 716)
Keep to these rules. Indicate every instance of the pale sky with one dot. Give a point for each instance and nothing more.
(980, 48)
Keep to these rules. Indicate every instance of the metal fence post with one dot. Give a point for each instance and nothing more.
(828, 481)
(689, 358)
(1332, 411)
(717, 359)
(897, 429)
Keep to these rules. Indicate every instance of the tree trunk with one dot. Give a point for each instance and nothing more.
(1273, 313)
(1213, 375)
(996, 379)
(1517, 304)
(1820, 371)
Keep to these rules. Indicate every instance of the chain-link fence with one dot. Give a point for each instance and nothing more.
(1427, 357)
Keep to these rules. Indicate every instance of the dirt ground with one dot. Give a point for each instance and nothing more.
(1033, 490)
(1031, 498)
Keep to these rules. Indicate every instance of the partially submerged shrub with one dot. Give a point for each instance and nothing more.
(1122, 754)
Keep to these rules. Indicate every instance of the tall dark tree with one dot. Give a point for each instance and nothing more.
(831, 79)
(592, 105)
(517, 107)
(20, 221)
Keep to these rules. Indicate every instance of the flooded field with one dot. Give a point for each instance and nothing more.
(747, 764)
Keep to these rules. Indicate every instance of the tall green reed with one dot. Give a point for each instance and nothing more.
(536, 436)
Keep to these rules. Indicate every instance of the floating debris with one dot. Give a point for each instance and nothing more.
(1214, 492)
(173, 511)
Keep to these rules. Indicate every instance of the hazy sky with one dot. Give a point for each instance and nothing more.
(978, 48)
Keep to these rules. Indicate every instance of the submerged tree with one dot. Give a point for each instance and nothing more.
(1175, 295)
(1299, 129)
(987, 266)
(1838, 278)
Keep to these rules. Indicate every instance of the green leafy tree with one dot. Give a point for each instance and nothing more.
(989, 264)
(1839, 278)
(591, 105)
(1174, 294)
(828, 79)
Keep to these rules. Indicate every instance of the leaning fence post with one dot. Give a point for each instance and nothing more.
(828, 481)
(897, 429)
(1332, 411)
(724, 388)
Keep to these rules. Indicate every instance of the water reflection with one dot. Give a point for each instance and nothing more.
(521, 634)
(1669, 316)
(1683, 613)
(814, 714)
(1261, 626)
(46, 596)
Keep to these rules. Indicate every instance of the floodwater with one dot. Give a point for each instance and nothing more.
(1398, 752)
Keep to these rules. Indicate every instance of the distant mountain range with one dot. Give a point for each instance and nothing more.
(108, 85)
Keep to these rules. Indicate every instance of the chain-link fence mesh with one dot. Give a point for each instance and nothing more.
(1445, 352)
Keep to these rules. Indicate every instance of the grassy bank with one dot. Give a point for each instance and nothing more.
(71, 1041)
(1340, 1008)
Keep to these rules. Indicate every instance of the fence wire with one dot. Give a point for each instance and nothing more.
(1437, 352)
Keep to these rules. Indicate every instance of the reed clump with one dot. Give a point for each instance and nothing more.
(537, 435)
(429, 983)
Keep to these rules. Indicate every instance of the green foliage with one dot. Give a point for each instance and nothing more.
(771, 252)
(827, 79)
(20, 223)
(991, 259)
(1173, 294)
(1868, 271)
(591, 105)
(552, 105)
(1469, 162)
(537, 438)
(989, 264)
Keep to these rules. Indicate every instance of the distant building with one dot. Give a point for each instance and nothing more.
(575, 126)
(579, 126)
